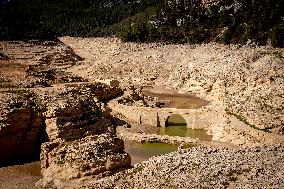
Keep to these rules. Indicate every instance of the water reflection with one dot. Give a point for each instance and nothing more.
(184, 132)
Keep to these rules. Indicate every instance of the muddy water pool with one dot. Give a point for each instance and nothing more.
(183, 131)
(142, 151)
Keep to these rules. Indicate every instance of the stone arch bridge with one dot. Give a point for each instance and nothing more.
(158, 116)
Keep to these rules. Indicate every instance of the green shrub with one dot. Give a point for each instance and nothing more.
(277, 35)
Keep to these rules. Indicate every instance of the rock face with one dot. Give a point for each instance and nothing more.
(76, 111)
(21, 127)
(204, 167)
(74, 119)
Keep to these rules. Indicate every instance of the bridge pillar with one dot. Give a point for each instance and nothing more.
(162, 120)
(190, 121)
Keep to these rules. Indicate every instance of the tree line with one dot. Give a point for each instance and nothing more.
(173, 21)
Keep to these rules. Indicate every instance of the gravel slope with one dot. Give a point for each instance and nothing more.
(205, 167)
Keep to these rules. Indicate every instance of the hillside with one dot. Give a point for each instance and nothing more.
(185, 21)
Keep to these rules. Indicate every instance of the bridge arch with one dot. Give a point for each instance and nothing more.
(175, 120)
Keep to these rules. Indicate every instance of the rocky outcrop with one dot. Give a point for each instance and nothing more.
(75, 111)
(93, 156)
(74, 119)
(73, 114)
(81, 138)
(21, 127)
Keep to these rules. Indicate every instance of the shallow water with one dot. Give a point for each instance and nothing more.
(142, 151)
(183, 131)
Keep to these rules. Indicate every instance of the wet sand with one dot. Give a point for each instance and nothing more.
(20, 176)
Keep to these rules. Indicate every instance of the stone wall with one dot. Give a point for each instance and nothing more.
(222, 127)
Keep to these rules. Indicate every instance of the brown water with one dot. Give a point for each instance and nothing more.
(179, 101)
(142, 151)
(183, 131)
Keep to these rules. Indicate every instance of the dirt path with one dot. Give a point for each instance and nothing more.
(20, 176)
